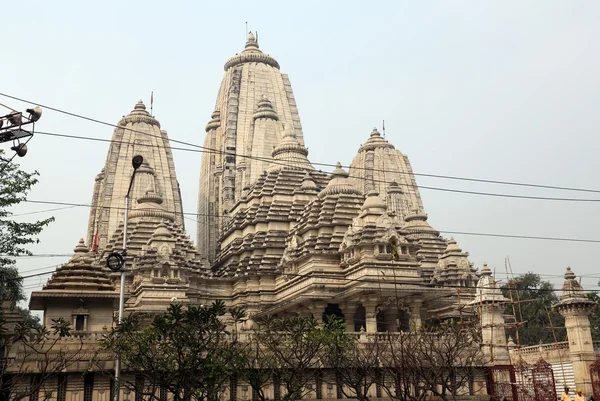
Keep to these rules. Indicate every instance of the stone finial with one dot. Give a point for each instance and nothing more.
(485, 270)
(453, 246)
(162, 231)
(571, 289)
(81, 248)
(308, 183)
(140, 105)
(375, 141)
(251, 42)
(487, 290)
(150, 196)
(339, 183)
(139, 114)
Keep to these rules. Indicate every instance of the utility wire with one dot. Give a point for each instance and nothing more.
(42, 211)
(593, 241)
(370, 281)
(321, 164)
(278, 162)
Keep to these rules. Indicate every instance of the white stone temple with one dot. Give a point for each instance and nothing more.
(275, 235)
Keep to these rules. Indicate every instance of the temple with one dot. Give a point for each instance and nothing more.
(275, 235)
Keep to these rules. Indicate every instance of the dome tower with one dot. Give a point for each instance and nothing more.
(255, 109)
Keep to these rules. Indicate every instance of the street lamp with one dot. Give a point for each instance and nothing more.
(15, 127)
(116, 261)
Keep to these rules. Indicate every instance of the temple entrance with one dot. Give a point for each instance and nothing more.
(595, 376)
(332, 310)
(360, 318)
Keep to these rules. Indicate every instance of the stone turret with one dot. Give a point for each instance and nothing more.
(576, 308)
(490, 304)
(255, 109)
(454, 268)
(137, 133)
(80, 291)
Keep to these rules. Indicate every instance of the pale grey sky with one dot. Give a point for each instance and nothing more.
(504, 90)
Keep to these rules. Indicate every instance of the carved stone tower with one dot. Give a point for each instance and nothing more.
(576, 308)
(255, 109)
(138, 133)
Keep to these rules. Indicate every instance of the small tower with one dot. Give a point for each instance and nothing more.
(490, 303)
(575, 307)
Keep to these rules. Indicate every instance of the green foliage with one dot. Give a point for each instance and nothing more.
(15, 184)
(356, 365)
(188, 352)
(540, 322)
(595, 315)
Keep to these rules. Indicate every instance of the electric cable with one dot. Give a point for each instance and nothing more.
(594, 241)
(499, 182)
(415, 186)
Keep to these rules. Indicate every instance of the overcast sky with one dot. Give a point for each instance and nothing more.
(501, 90)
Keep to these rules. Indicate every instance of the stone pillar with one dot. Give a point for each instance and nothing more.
(370, 304)
(391, 318)
(490, 304)
(317, 308)
(415, 314)
(349, 310)
(576, 308)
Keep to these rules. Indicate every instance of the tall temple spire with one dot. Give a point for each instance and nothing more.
(255, 109)
(378, 164)
(138, 133)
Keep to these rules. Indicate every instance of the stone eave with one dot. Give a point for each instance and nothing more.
(425, 293)
(38, 298)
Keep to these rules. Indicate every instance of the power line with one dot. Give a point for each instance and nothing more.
(499, 182)
(277, 162)
(42, 211)
(40, 255)
(370, 281)
(593, 241)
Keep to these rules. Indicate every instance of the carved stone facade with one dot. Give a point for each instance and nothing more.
(275, 235)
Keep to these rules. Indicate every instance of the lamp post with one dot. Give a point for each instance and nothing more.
(116, 262)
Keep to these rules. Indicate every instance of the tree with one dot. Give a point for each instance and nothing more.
(32, 358)
(441, 363)
(533, 300)
(15, 184)
(595, 315)
(356, 363)
(186, 351)
(290, 350)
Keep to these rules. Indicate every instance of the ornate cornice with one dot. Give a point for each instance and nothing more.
(251, 57)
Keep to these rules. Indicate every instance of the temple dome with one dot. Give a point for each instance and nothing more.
(251, 54)
(139, 114)
(339, 183)
(487, 290)
(290, 154)
(378, 164)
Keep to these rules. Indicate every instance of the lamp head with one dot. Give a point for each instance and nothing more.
(20, 149)
(137, 161)
(34, 113)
